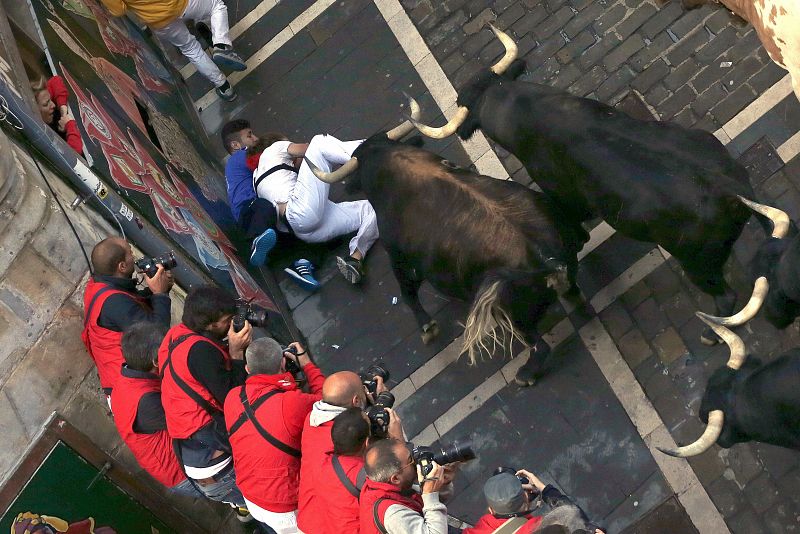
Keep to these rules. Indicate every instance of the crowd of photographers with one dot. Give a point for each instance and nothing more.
(270, 434)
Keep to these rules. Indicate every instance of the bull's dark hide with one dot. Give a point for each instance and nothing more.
(761, 402)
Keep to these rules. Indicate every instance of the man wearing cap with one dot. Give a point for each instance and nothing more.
(510, 506)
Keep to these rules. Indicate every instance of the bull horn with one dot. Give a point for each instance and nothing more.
(400, 131)
(715, 420)
(338, 175)
(733, 341)
(511, 51)
(444, 131)
(750, 310)
(780, 221)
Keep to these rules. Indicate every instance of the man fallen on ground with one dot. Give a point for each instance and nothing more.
(257, 217)
(301, 199)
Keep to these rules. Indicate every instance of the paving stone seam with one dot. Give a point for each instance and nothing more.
(678, 473)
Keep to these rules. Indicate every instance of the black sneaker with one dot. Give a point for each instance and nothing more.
(226, 92)
(204, 33)
(350, 269)
(224, 56)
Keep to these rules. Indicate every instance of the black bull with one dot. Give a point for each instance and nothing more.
(749, 401)
(475, 238)
(651, 181)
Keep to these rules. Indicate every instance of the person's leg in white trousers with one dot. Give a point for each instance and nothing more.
(316, 219)
(178, 35)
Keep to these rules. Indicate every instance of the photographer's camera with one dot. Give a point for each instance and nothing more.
(377, 414)
(247, 312)
(425, 456)
(149, 266)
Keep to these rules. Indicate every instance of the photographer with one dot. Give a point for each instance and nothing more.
(388, 504)
(264, 418)
(111, 304)
(510, 497)
(340, 391)
(198, 371)
(138, 412)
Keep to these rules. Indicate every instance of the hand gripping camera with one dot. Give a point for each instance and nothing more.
(378, 416)
(292, 367)
(511, 471)
(247, 312)
(425, 456)
(149, 266)
(368, 377)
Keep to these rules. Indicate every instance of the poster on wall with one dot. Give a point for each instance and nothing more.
(68, 485)
(130, 116)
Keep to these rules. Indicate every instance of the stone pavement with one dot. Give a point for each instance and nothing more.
(343, 73)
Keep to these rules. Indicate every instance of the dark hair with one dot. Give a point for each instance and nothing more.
(230, 132)
(140, 344)
(107, 255)
(205, 305)
(381, 461)
(264, 141)
(349, 433)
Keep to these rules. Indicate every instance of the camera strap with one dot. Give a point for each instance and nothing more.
(195, 396)
(251, 416)
(97, 295)
(276, 168)
(376, 519)
(361, 477)
(511, 526)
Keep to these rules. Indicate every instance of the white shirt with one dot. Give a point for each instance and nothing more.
(278, 186)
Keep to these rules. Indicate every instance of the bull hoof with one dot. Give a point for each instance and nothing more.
(429, 332)
(709, 338)
(524, 378)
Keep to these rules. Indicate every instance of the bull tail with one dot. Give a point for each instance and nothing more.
(488, 319)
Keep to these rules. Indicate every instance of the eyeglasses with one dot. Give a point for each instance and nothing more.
(411, 462)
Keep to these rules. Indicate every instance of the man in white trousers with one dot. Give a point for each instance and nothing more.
(167, 19)
(301, 198)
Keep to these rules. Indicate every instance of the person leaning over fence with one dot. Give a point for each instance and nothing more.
(51, 99)
(167, 19)
(264, 418)
(111, 303)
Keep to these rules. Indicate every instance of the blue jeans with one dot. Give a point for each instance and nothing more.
(224, 490)
(186, 488)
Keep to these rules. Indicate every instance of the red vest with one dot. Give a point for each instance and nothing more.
(371, 492)
(103, 344)
(489, 523)
(316, 441)
(266, 475)
(154, 452)
(336, 509)
(184, 415)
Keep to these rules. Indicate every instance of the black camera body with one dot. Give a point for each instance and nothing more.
(368, 377)
(511, 471)
(425, 456)
(292, 367)
(149, 266)
(247, 312)
(378, 416)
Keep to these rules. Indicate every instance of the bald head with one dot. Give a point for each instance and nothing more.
(344, 389)
(110, 257)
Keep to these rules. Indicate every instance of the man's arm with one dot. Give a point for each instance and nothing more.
(402, 520)
(150, 416)
(116, 8)
(297, 150)
(314, 377)
(121, 311)
(207, 366)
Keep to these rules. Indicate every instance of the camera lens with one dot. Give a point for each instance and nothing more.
(457, 452)
(256, 317)
(384, 399)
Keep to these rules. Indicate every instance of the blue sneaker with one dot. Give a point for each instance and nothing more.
(261, 247)
(302, 272)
